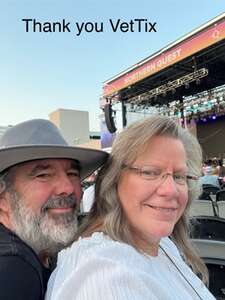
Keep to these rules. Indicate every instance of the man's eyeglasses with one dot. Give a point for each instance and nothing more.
(153, 173)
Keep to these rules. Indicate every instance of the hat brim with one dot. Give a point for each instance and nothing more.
(89, 159)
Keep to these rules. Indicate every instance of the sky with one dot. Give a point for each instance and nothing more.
(41, 72)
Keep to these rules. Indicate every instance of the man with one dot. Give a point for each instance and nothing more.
(40, 191)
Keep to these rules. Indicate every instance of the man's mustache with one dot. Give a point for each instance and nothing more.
(60, 202)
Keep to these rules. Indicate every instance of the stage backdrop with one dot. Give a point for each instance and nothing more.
(211, 135)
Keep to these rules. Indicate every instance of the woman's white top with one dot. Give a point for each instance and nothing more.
(98, 268)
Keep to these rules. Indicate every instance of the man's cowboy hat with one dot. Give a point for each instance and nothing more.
(40, 139)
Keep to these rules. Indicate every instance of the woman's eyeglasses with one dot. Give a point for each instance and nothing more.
(155, 174)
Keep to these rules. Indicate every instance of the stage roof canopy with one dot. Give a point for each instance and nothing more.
(202, 50)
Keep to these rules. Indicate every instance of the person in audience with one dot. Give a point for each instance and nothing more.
(208, 177)
(135, 243)
(221, 169)
(88, 195)
(40, 191)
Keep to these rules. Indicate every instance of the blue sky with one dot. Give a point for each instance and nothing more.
(41, 72)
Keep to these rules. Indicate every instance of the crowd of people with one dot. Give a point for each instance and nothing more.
(135, 242)
(213, 173)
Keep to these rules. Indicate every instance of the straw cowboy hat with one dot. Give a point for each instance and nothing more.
(40, 139)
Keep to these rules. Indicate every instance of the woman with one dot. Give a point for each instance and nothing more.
(135, 241)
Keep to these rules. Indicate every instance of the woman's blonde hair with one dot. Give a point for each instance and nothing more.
(107, 214)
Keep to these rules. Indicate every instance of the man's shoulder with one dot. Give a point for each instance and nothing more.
(12, 245)
(13, 264)
(18, 280)
(18, 258)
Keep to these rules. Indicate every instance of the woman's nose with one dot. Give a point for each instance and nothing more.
(167, 185)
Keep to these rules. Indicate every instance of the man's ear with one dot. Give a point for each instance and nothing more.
(5, 210)
(2, 187)
(4, 203)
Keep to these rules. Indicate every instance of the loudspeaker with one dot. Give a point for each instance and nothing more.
(109, 118)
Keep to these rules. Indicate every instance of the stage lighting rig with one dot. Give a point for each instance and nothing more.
(170, 86)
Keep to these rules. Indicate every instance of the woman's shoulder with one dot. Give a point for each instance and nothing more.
(100, 247)
(85, 243)
(100, 243)
(96, 240)
(97, 245)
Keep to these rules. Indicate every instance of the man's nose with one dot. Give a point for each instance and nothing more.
(64, 186)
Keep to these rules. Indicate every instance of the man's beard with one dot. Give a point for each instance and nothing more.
(41, 231)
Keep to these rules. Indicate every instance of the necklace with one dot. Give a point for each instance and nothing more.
(180, 272)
